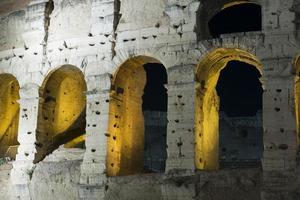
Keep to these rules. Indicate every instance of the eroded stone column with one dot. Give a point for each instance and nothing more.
(180, 134)
(93, 167)
(280, 135)
(23, 167)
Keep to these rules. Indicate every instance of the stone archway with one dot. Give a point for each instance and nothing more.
(128, 122)
(234, 17)
(225, 17)
(9, 115)
(207, 103)
(297, 98)
(62, 110)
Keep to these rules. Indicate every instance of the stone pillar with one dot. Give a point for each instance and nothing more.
(180, 134)
(280, 135)
(23, 167)
(93, 167)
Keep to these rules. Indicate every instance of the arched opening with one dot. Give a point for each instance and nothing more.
(239, 16)
(62, 111)
(155, 117)
(138, 118)
(9, 115)
(240, 123)
(211, 127)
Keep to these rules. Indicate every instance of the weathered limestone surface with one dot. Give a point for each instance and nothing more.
(57, 177)
(145, 13)
(5, 188)
(70, 19)
(97, 37)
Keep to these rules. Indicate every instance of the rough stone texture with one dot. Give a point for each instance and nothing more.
(97, 37)
(57, 177)
(118, 187)
(230, 184)
(5, 181)
(63, 170)
(63, 26)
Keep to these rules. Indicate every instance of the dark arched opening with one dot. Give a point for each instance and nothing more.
(138, 119)
(242, 17)
(155, 116)
(241, 131)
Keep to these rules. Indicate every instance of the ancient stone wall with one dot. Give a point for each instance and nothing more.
(241, 140)
(100, 38)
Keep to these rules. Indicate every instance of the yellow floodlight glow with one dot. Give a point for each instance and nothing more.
(62, 110)
(125, 143)
(207, 103)
(9, 113)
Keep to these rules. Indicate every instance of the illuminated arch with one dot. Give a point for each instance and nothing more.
(297, 97)
(207, 103)
(62, 110)
(236, 3)
(125, 146)
(9, 115)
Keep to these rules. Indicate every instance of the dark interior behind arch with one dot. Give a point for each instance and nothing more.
(244, 17)
(240, 121)
(155, 103)
(240, 90)
(155, 94)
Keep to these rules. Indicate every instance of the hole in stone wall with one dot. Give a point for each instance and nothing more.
(282, 130)
(244, 133)
(240, 121)
(277, 109)
(283, 146)
(243, 17)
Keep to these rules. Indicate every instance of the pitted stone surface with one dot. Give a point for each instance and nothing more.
(97, 37)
